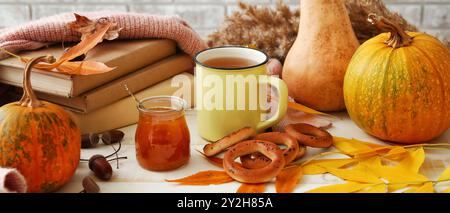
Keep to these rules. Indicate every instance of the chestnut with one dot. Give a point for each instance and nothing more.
(89, 185)
(89, 140)
(112, 136)
(101, 167)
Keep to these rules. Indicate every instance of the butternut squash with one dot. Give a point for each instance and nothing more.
(315, 65)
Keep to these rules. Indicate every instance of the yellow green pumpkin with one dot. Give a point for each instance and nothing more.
(39, 139)
(397, 85)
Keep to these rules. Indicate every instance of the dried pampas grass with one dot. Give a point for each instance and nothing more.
(274, 30)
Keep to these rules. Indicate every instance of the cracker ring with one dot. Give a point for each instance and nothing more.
(258, 160)
(261, 175)
(227, 141)
(310, 135)
(301, 151)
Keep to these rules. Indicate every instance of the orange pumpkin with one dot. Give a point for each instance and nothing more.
(39, 139)
(397, 85)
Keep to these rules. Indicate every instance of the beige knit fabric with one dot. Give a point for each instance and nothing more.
(12, 181)
(42, 32)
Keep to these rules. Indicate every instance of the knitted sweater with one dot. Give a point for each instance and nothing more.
(42, 32)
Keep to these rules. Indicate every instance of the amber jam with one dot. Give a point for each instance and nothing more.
(162, 136)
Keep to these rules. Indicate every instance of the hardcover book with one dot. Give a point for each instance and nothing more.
(124, 112)
(126, 56)
(113, 91)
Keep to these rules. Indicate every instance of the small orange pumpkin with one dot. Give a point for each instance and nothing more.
(397, 85)
(39, 139)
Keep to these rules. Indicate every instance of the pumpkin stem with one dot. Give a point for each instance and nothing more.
(29, 99)
(398, 38)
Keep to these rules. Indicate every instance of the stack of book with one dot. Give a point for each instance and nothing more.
(100, 102)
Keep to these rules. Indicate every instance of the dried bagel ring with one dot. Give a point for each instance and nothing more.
(261, 175)
(227, 141)
(310, 135)
(258, 160)
(301, 151)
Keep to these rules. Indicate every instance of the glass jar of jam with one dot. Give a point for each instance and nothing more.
(162, 136)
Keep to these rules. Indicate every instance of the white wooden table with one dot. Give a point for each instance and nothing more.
(130, 177)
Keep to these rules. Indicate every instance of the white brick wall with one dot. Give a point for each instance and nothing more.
(432, 16)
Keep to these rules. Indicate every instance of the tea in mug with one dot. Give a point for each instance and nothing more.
(229, 62)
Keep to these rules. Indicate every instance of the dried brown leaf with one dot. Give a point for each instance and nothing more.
(288, 179)
(213, 160)
(87, 27)
(83, 68)
(85, 45)
(252, 188)
(204, 178)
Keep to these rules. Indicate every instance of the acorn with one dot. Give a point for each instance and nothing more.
(89, 140)
(112, 137)
(79, 58)
(89, 185)
(101, 167)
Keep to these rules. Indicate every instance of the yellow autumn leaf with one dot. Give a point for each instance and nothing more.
(393, 174)
(314, 170)
(396, 176)
(346, 145)
(319, 166)
(305, 109)
(379, 188)
(372, 145)
(369, 162)
(376, 161)
(358, 174)
(357, 147)
(396, 153)
(424, 188)
(413, 160)
(447, 190)
(396, 187)
(341, 188)
(371, 152)
(444, 175)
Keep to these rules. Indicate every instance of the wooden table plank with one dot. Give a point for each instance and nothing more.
(130, 177)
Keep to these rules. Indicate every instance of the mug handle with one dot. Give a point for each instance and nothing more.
(282, 102)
